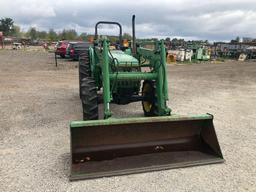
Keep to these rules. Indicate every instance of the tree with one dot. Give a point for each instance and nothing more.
(83, 36)
(68, 34)
(167, 39)
(52, 35)
(32, 33)
(168, 42)
(127, 36)
(113, 39)
(6, 25)
(42, 34)
(16, 31)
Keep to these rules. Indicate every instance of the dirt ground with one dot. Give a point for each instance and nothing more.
(38, 100)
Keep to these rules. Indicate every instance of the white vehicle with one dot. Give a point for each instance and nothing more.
(16, 46)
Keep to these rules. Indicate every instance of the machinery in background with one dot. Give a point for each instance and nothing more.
(202, 54)
(179, 55)
(16, 46)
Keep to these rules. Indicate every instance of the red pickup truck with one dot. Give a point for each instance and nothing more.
(61, 48)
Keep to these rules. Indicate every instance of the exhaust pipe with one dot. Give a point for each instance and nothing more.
(133, 36)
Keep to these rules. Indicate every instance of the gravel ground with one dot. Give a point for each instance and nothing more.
(38, 101)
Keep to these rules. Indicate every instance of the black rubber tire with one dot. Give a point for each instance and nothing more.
(62, 56)
(89, 99)
(149, 91)
(84, 68)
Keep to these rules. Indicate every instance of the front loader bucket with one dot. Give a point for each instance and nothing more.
(109, 147)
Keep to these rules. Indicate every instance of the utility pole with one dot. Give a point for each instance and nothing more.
(2, 39)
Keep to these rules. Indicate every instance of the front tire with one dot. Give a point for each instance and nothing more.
(89, 99)
(149, 104)
(84, 68)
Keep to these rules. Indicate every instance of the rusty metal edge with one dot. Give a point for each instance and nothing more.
(74, 177)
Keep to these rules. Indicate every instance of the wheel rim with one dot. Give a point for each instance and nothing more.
(147, 105)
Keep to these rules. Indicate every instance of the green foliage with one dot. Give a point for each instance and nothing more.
(69, 34)
(52, 35)
(167, 39)
(32, 33)
(42, 34)
(6, 25)
(127, 36)
(83, 36)
(16, 31)
(113, 39)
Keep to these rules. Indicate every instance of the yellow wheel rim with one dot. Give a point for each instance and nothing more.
(146, 104)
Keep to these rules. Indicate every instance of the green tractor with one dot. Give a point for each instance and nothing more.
(119, 73)
(111, 146)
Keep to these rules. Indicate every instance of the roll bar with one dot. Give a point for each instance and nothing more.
(109, 23)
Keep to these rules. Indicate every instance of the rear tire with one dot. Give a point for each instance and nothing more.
(89, 99)
(84, 68)
(150, 104)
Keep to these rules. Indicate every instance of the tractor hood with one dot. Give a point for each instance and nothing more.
(123, 59)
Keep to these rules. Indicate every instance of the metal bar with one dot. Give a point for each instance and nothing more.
(56, 63)
(133, 36)
(159, 88)
(110, 23)
(163, 59)
(131, 120)
(133, 76)
(106, 81)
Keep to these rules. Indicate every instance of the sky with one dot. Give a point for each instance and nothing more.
(190, 19)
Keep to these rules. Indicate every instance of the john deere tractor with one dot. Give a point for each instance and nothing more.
(124, 73)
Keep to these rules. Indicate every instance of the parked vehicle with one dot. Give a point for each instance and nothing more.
(16, 46)
(74, 49)
(61, 48)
